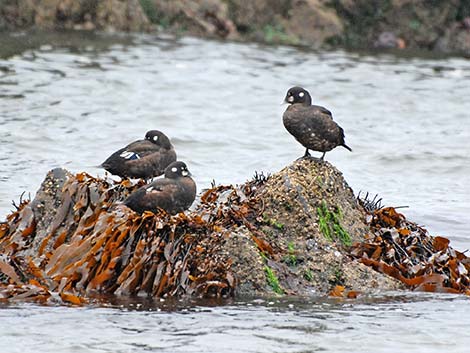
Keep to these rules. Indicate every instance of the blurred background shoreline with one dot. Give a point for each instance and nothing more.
(436, 26)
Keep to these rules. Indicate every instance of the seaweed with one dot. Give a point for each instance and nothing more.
(329, 223)
(290, 258)
(272, 280)
(273, 223)
(406, 251)
(97, 245)
(308, 275)
(85, 242)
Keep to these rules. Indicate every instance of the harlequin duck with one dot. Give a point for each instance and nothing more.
(174, 193)
(311, 125)
(143, 158)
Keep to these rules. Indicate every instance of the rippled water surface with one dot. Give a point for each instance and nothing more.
(387, 324)
(70, 101)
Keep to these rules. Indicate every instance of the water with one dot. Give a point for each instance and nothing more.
(72, 100)
(396, 323)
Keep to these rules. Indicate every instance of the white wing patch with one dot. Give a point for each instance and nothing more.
(129, 155)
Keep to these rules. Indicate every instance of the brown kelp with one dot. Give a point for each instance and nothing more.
(404, 250)
(96, 245)
(283, 234)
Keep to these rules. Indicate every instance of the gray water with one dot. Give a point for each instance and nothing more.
(389, 324)
(71, 101)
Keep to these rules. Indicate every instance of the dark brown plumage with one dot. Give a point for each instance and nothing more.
(174, 193)
(145, 159)
(311, 125)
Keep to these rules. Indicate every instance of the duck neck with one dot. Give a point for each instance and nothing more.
(165, 142)
(308, 101)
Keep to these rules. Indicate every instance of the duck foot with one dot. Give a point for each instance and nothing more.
(308, 156)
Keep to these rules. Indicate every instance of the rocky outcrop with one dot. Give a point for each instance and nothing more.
(414, 23)
(312, 22)
(202, 18)
(122, 15)
(300, 231)
(307, 22)
(444, 26)
(288, 234)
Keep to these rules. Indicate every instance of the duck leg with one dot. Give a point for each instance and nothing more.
(306, 155)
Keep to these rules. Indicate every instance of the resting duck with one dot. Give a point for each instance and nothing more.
(145, 159)
(174, 193)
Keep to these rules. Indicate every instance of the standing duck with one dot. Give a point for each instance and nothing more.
(145, 158)
(174, 193)
(311, 125)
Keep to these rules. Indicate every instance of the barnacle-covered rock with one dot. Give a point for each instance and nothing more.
(300, 231)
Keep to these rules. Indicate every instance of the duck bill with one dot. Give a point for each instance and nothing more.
(288, 100)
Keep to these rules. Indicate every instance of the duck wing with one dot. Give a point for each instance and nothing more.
(322, 110)
(140, 159)
(314, 127)
(159, 194)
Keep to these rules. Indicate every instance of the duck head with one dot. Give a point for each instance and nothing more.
(298, 95)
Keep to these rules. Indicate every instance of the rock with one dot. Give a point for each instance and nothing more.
(16, 14)
(45, 207)
(288, 234)
(456, 39)
(207, 17)
(308, 22)
(312, 22)
(122, 15)
(256, 14)
(414, 22)
(310, 261)
(387, 40)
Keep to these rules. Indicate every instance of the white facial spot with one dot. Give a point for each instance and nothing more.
(174, 169)
(155, 138)
(184, 173)
(290, 99)
(301, 94)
